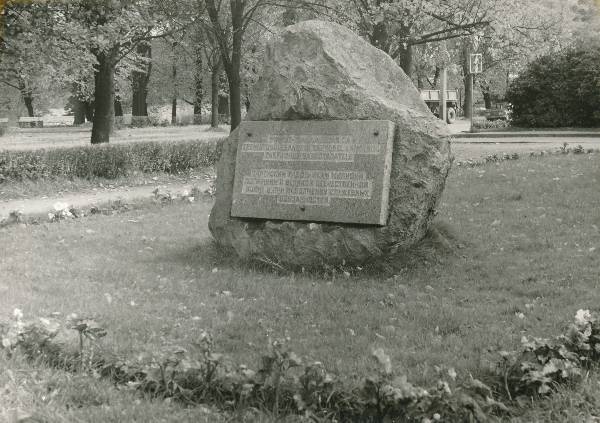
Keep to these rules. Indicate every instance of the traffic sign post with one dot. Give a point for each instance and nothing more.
(475, 63)
(475, 66)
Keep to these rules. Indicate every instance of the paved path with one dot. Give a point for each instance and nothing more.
(43, 206)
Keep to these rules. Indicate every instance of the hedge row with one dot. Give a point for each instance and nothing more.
(108, 161)
(558, 90)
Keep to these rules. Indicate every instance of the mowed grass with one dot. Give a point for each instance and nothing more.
(57, 137)
(515, 237)
(35, 393)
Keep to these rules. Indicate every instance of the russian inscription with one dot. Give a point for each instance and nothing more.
(307, 186)
(322, 171)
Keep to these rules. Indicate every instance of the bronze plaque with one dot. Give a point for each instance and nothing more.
(319, 171)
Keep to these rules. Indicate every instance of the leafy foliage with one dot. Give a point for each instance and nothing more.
(107, 161)
(497, 158)
(543, 364)
(282, 383)
(285, 385)
(559, 90)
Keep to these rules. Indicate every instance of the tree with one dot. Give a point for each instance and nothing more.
(229, 26)
(559, 90)
(231, 56)
(109, 31)
(30, 60)
(140, 78)
(518, 34)
(397, 26)
(198, 76)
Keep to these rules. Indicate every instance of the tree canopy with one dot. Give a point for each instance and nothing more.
(103, 53)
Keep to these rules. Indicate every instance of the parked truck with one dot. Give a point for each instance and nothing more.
(432, 99)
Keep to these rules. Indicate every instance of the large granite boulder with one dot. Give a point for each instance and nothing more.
(322, 71)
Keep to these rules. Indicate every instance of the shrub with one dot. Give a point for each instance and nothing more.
(490, 124)
(558, 90)
(108, 161)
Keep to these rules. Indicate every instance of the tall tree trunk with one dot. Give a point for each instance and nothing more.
(231, 64)
(78, 111)
(235, 100)
(198, 84)
(140, 81)
(224, 108)
(104, 97)
(406, 59)
(487, 98)
(89, 110)
(436, 77)
(175, 90)
(118, 107)
(27, 96)
(233, 73)
(214, 93)
(28, 100)
(174, 111)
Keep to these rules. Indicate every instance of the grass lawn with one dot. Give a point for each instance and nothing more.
(36, 138)
(38, 394)
(517, 253)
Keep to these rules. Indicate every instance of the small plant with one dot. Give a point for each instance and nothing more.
(284, 385)
(543, 364)
(89, 330)
(564, 149)
(490, 124)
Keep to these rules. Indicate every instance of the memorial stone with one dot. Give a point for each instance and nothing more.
(323, 171)
(320, 71)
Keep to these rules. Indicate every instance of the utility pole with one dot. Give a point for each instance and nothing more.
(475, 66)
(471, 77)
(443, 91)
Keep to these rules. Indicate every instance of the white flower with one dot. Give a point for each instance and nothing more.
(18, 314)
(583, 317)
(61, 206)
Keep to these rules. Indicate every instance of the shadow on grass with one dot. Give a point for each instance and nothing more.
(439, 245)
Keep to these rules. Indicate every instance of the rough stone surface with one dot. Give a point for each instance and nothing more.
(322, 71)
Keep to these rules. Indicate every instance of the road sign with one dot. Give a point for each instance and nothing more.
(475, 63)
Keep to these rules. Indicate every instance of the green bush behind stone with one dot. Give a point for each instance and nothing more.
(108, 161)
(558, 90)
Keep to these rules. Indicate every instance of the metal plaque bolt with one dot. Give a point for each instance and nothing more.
(376, 133)
(249, 134)
(302, 208)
